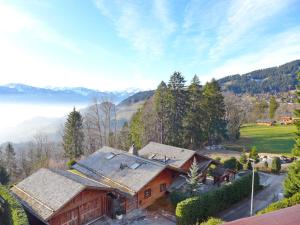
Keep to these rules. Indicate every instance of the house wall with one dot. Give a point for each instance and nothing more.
(86, 206)
(165, 177)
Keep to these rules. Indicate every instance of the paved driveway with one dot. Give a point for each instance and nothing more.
(273, 186)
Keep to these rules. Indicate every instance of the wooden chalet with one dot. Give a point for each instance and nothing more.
(266, 122)
(106, 182)
(58, 197)
(286, 120)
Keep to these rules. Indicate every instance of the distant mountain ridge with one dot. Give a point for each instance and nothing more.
(16, 93)
(270, 80)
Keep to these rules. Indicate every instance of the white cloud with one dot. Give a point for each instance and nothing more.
(144, 25)
(283, 48)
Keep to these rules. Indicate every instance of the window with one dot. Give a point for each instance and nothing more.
(147, 193)
(135, 165)
(163, 187)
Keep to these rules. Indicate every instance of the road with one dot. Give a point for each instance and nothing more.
(273, 186)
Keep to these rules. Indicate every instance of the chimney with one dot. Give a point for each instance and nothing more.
(133, 150)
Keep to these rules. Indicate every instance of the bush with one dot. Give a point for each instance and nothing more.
(233, 164)
(284, 203)
(276, 165)
(177, 196)
(14, 213)
(212, 221)
(199, 208)
(4, 176)
(70, 163)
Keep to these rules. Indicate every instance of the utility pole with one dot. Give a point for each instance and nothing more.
(252, 193)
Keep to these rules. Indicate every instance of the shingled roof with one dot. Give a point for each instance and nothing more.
(174, 156)
(46, 191)
(119, 169)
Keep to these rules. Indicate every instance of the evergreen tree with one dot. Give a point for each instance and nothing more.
(160, 106)
(4, 176)
(73, 136)
(137, 129)
(176, 109)
(292, 181)
(276, 165)
(296, 149)
(215, 125)
(193, 177)
(243, 158)
(253, 154)
(10, 162)
(193, 121)
(273, 107)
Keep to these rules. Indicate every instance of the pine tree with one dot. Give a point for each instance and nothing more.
(160, 106)
(273, 107)
(137, 129)
(193, 177)
(213, 105)
(4, 176)
(292, 181)
(73, 137)
(193, 121)
(176, 109)
(10, 162)
(253, 154)
(276, 165)
(243, 158)
(296, 149)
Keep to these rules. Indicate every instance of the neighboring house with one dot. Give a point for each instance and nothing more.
(266, 122)
(107, 182)
(139, 181)
(58, 197)
(286, 216)
(286, 120)
(178, 159)
(221, 174)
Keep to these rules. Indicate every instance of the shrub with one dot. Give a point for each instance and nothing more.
(253, 154)
(14, 213)
(199, 208)
(212, 221)
(177, 196)
(233, 164)
(4, 176)
(70, 163)
(284, 203)
(276, 165)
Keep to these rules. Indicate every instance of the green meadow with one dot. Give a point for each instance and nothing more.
(271, 139)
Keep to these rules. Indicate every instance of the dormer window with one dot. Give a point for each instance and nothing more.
(110, 155)
(135, 165)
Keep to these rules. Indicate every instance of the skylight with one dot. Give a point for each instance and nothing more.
(110, 156)
(135, 165)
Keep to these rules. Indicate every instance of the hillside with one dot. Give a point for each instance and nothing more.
(269, 80)
(137, 97)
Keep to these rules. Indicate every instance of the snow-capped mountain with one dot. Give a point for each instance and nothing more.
(17, 93)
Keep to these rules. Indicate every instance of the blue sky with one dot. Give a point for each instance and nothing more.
(118, 44)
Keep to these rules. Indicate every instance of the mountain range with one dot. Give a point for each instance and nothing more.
(20, 93)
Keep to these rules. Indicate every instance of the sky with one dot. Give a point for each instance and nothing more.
(117, 44)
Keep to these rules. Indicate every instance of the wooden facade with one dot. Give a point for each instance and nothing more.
(86, 206)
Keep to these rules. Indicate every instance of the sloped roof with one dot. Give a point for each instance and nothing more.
(286, 216)
(119, 169)
(176, 157)
(46, 191)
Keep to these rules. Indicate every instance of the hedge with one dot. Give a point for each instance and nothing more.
(14, 213)
(212, 221)
(178, 196)
(199, 208)
(284, 203)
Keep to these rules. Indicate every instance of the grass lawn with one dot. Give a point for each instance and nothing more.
(273, 139)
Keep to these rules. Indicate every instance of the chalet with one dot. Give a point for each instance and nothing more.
(286, 120)
(266, 122)
(177, 159)
(58, 197)
(106, 182)
(139, 181)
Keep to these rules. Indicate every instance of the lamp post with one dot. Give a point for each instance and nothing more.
(252, 192)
